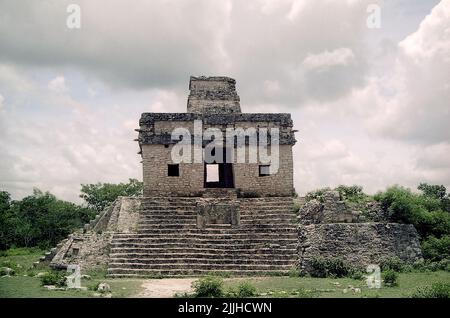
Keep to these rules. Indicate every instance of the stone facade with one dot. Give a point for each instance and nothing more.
(359, 244)
(215, 103)
(331, 229)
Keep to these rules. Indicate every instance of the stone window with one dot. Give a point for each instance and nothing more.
(173, 170)
(264, 170)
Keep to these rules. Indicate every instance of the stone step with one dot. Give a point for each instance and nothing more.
(194, 261)
(260, 254)
(130, 247)
(167, 208)
(205, 235)
(127, 267)
(242, 243)
(191, 272)
(266, 204)
(145, 224)
(260, 230)
(220, 249)
(247, 220)
(267, 212)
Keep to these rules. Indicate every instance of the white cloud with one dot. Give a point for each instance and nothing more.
(58, 85)
(419, 110)
(369, 118)
(2, 99)
(326, 59)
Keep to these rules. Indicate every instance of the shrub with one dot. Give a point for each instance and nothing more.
(245, 290)
(432, 266)
(436, 290)
(424, 212)
(316, 194)
(208, 286)
(390, 278)
(357, 274)
(436, 249)
(54, 278)
(393, 263)
(352, 193)
(93, 286)
(293, 272)
(331, 267)
(296, 207)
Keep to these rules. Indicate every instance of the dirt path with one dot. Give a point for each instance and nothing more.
(167, 287)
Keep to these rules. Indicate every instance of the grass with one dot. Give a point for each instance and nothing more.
(24, 284)
(21, 260)
(333, 288)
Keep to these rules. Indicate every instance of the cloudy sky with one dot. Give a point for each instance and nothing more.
(371, 104)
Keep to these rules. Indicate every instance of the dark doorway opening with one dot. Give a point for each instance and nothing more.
(219, 175)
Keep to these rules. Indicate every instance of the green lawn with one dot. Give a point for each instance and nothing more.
(25, 284)
(328, 287)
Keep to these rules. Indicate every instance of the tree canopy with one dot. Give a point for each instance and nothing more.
(99, 195)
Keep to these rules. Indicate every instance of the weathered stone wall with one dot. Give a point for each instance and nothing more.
(247, 179)
(331, 228)
(128, 217)
(213, 95)
(90, 249)
(359, 244)
(155, 159)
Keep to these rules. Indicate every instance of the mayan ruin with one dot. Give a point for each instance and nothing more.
(227, 216)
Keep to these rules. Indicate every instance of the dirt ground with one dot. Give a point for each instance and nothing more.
(165, 288)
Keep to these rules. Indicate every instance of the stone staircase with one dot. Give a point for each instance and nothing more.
(168, 242)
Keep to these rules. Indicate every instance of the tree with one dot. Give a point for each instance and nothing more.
(99, 195)
(40, 220)
(5, 202)
(434, 191)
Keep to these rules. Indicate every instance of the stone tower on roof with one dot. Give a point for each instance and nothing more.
(210, 95)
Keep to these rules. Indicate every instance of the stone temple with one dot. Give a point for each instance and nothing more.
(208, 215)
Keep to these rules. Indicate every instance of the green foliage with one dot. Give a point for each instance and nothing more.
(40, 220)
(296, 207)
(436, 290)
(93, 286)
(53, 278)
(357, 274)
(352, 193)
(208, 287)
(330, 267)
(244, 290)
(390, 278)
(100, 195)
(433, 191)
(393, 264)
(19, 251)
(316, 194)
(294, 272)
(424, 212)
(433, 266)
(436, 249)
